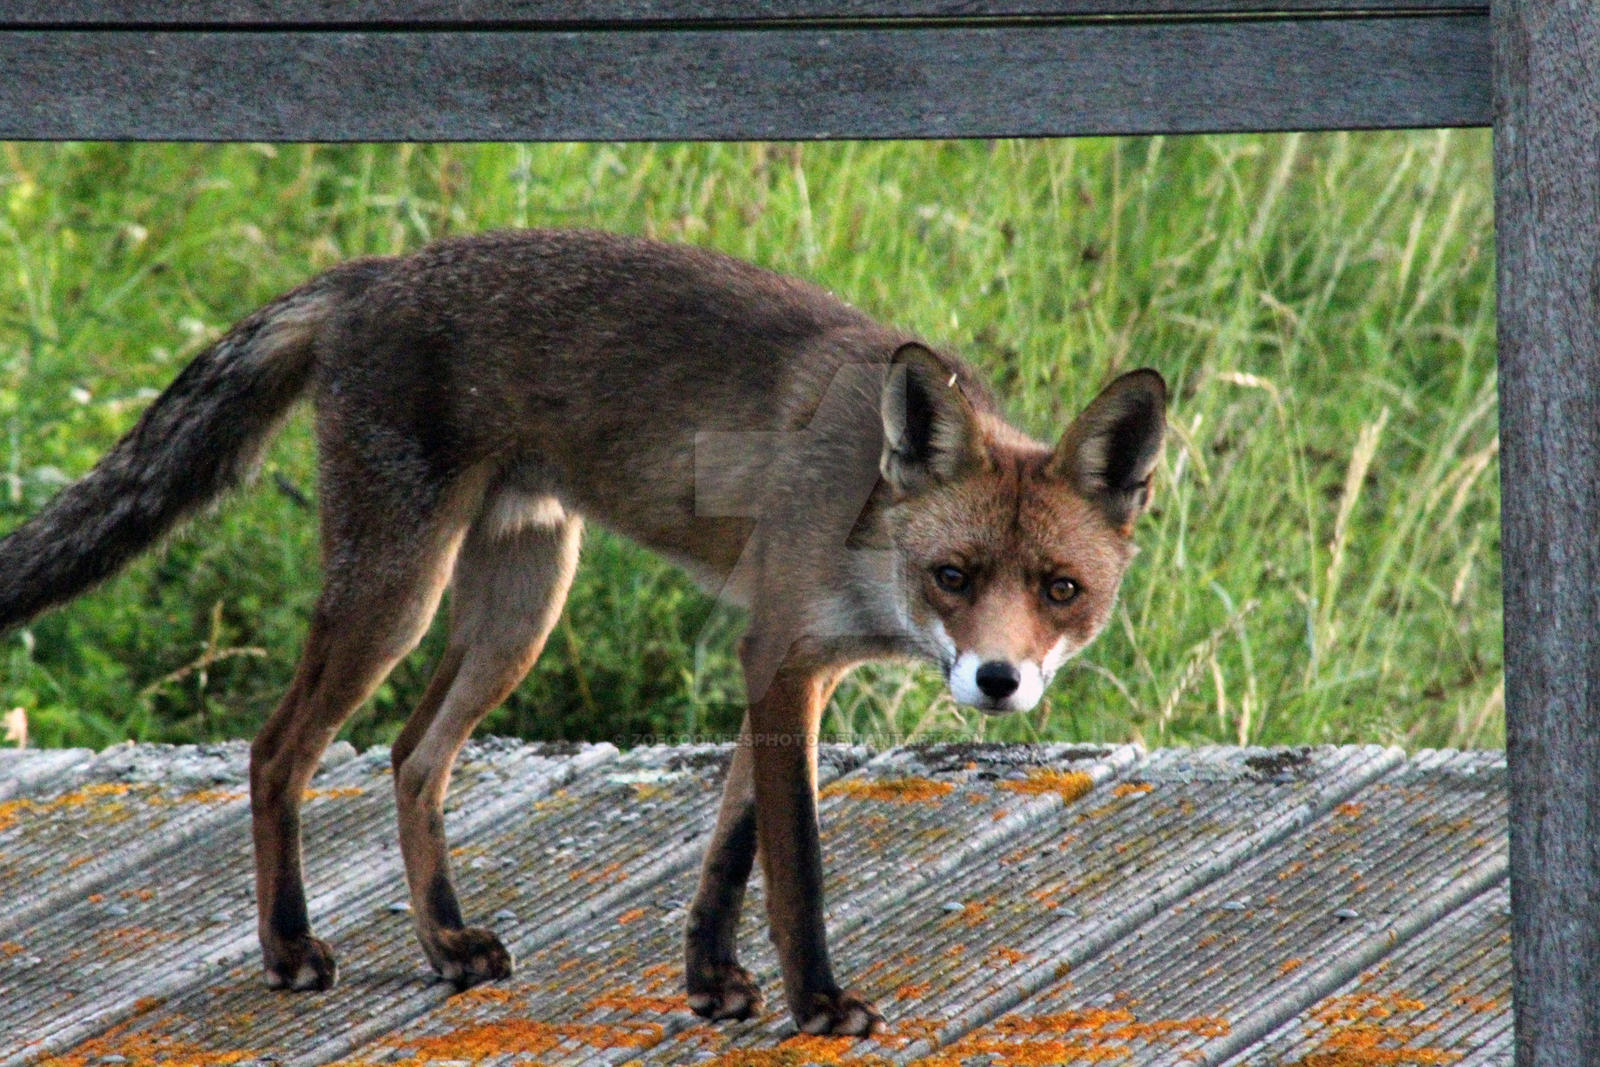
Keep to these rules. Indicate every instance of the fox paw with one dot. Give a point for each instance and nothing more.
(470, 955)
(842, 1013)
(305, 963)
(724, 991)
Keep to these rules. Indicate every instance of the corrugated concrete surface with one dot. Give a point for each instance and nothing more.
(1004, 905)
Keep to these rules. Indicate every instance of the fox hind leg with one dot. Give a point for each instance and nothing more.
(384, 583)
(507, 593)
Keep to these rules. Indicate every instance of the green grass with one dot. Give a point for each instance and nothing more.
(1322, 563)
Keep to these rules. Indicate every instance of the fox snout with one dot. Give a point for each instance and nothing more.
(996, 686)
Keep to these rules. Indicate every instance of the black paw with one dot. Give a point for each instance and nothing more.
(469, 956)
(724, 991)
(303, 964)
(842, 1013)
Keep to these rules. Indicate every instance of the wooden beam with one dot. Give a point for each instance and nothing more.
(535, 13)
(1091, 77)
(1547, 226)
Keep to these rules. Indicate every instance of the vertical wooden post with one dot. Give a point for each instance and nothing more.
(1547, 229)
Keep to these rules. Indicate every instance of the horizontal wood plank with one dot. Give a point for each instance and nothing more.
(796, 83)
(222, 13)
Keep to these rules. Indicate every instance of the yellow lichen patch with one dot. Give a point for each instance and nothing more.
(1088, 1035)
(209, 796)
(1355, 1007)
(561, 798)
(611, 872)
(1069, 785)
(1362, 1032)
(1168, 1029)
(481, 1040)
(483, 994)
(1370, 1045)
(893, 790)
(337, 793)
(798, 1051)
(1038, 1053)
(973, 913)
(1132, 789)
(144, 1049)
(1062, 1021)
(132, 938)
(12, 810)
(1468, 1001)
(637, 1004)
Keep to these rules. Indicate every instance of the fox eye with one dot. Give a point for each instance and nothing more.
(1061, 590)
(951, 579)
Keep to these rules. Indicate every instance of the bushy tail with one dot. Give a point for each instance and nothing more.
(200, 437)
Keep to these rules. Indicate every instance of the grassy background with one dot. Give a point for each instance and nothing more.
(1322, 563)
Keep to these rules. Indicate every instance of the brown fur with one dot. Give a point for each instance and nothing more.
(474, 400)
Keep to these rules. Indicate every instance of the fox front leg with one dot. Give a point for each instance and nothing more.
(783, 747)
(719, 988)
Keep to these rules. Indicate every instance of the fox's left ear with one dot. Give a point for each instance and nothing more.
(1110, 450)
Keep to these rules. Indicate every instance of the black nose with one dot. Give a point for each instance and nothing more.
(998, 680)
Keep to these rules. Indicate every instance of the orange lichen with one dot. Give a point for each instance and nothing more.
(1087, 1035)
(1290, 966)
(143, 1049)
(1354, 1007)
(1350, 809)
(482, 1040)
(632, 915)
(1360, 1033)
(802, 1049)
(1367, 1045)
(1068, 785)
(973, 913)
(893, 790)
(12, 810)
(11, 948)
(637, 1004)
(1469, 1001)
(913, 991)
(210, 796)
(132, 938)
(1004, 955)
(1062, 1021)
(1167, 1029)
(483, 994)
(337, 793)
(1132, 789)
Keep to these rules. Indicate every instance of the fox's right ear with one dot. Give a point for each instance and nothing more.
(930, 433)
(1111, 449)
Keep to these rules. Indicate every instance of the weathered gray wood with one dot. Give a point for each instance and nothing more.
(566, 12)
(1088, 78)
(1547, 210)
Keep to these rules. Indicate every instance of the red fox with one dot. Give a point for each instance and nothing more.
(478, 400)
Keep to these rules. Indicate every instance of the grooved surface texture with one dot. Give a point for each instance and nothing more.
(1004, 905)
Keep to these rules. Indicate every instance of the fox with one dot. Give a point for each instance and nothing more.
(856, 491)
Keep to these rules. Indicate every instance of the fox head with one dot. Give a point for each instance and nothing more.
(1010, 551)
